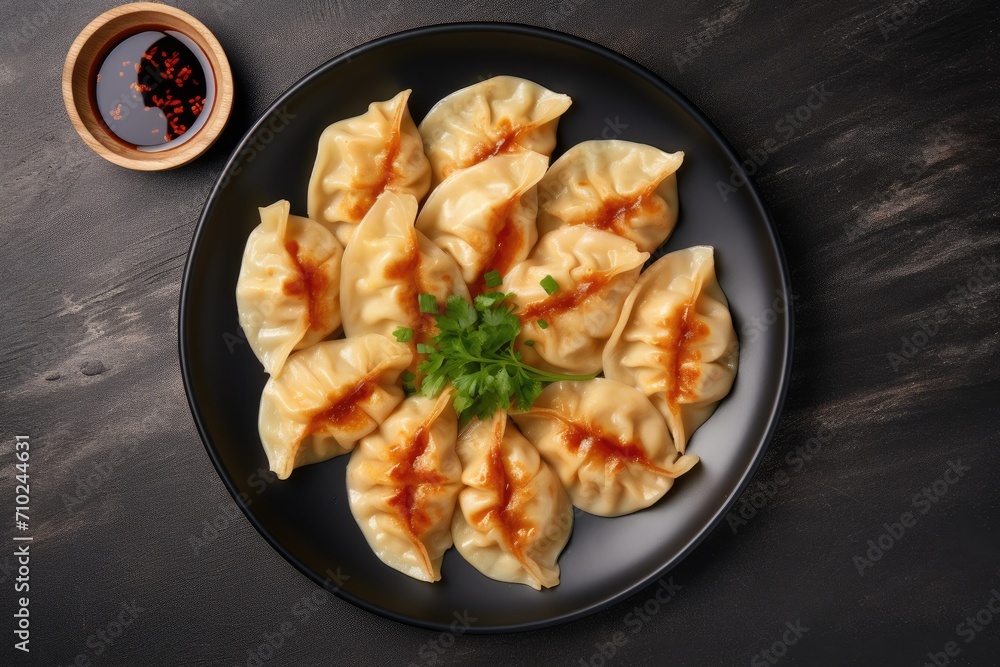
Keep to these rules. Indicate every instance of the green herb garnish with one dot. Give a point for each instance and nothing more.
(493, 279)
(529, 343)
(550, 285)
(427, 303)
(542, 324)
(474, 350)
(408, 387)
(403, 334)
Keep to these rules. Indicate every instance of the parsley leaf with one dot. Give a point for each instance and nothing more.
(474, 351)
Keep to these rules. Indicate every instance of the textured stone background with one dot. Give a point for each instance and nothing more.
(886, 201)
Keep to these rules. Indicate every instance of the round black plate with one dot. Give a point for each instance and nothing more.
(307, 518)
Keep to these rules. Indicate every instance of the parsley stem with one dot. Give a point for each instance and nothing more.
(546, 376)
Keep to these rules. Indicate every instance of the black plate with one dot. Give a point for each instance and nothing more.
(307, 518)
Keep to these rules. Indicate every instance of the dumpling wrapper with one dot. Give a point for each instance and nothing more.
(329, 396)
(675, 340)
(403, 482)
(514, 517)
(606, 441)
(360, 158)
(387, 265)
(504, 114)
(288, 287)
(616, 186)
(484, 216)
(595, 272)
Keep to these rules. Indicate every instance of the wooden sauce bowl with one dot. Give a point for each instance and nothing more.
(81, 65)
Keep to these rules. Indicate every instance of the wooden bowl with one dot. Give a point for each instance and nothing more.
(82, 63)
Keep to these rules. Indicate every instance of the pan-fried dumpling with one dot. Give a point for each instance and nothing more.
(387, 265)
(514, 516)
(484, 216)
(403, 482)
(608, 444)
(617, 186)
(288, 287)
(675, 340)
(594, 272)
(504, 114)
(329, 396)
(360, 158)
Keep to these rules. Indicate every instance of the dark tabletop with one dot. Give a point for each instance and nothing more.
(870, 532)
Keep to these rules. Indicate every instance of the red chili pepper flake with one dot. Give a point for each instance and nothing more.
(163, 72)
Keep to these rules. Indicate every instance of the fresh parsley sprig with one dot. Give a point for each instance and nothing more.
(474, 350)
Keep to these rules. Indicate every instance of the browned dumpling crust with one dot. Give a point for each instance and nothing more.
(675, 340)
(608, 444)
(387, 266)
(328, 397)
(616, 186)
(514, 517)
(287, 293)
(594, 272)
(403, 483)
(499, 116)
(360, 158)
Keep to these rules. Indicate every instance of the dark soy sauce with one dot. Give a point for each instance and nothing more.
(154, 88)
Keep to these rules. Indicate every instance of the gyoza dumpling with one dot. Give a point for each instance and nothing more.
(607, 443)
(594, 272)
(360, 158)
(514, 516)
(504, 114)
(403, 482)
(675, 340)
(616, 186)
(330, 395)
(484, 216)
(288, 287)
(387, 265)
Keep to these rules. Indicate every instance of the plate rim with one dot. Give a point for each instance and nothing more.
(659, 83)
